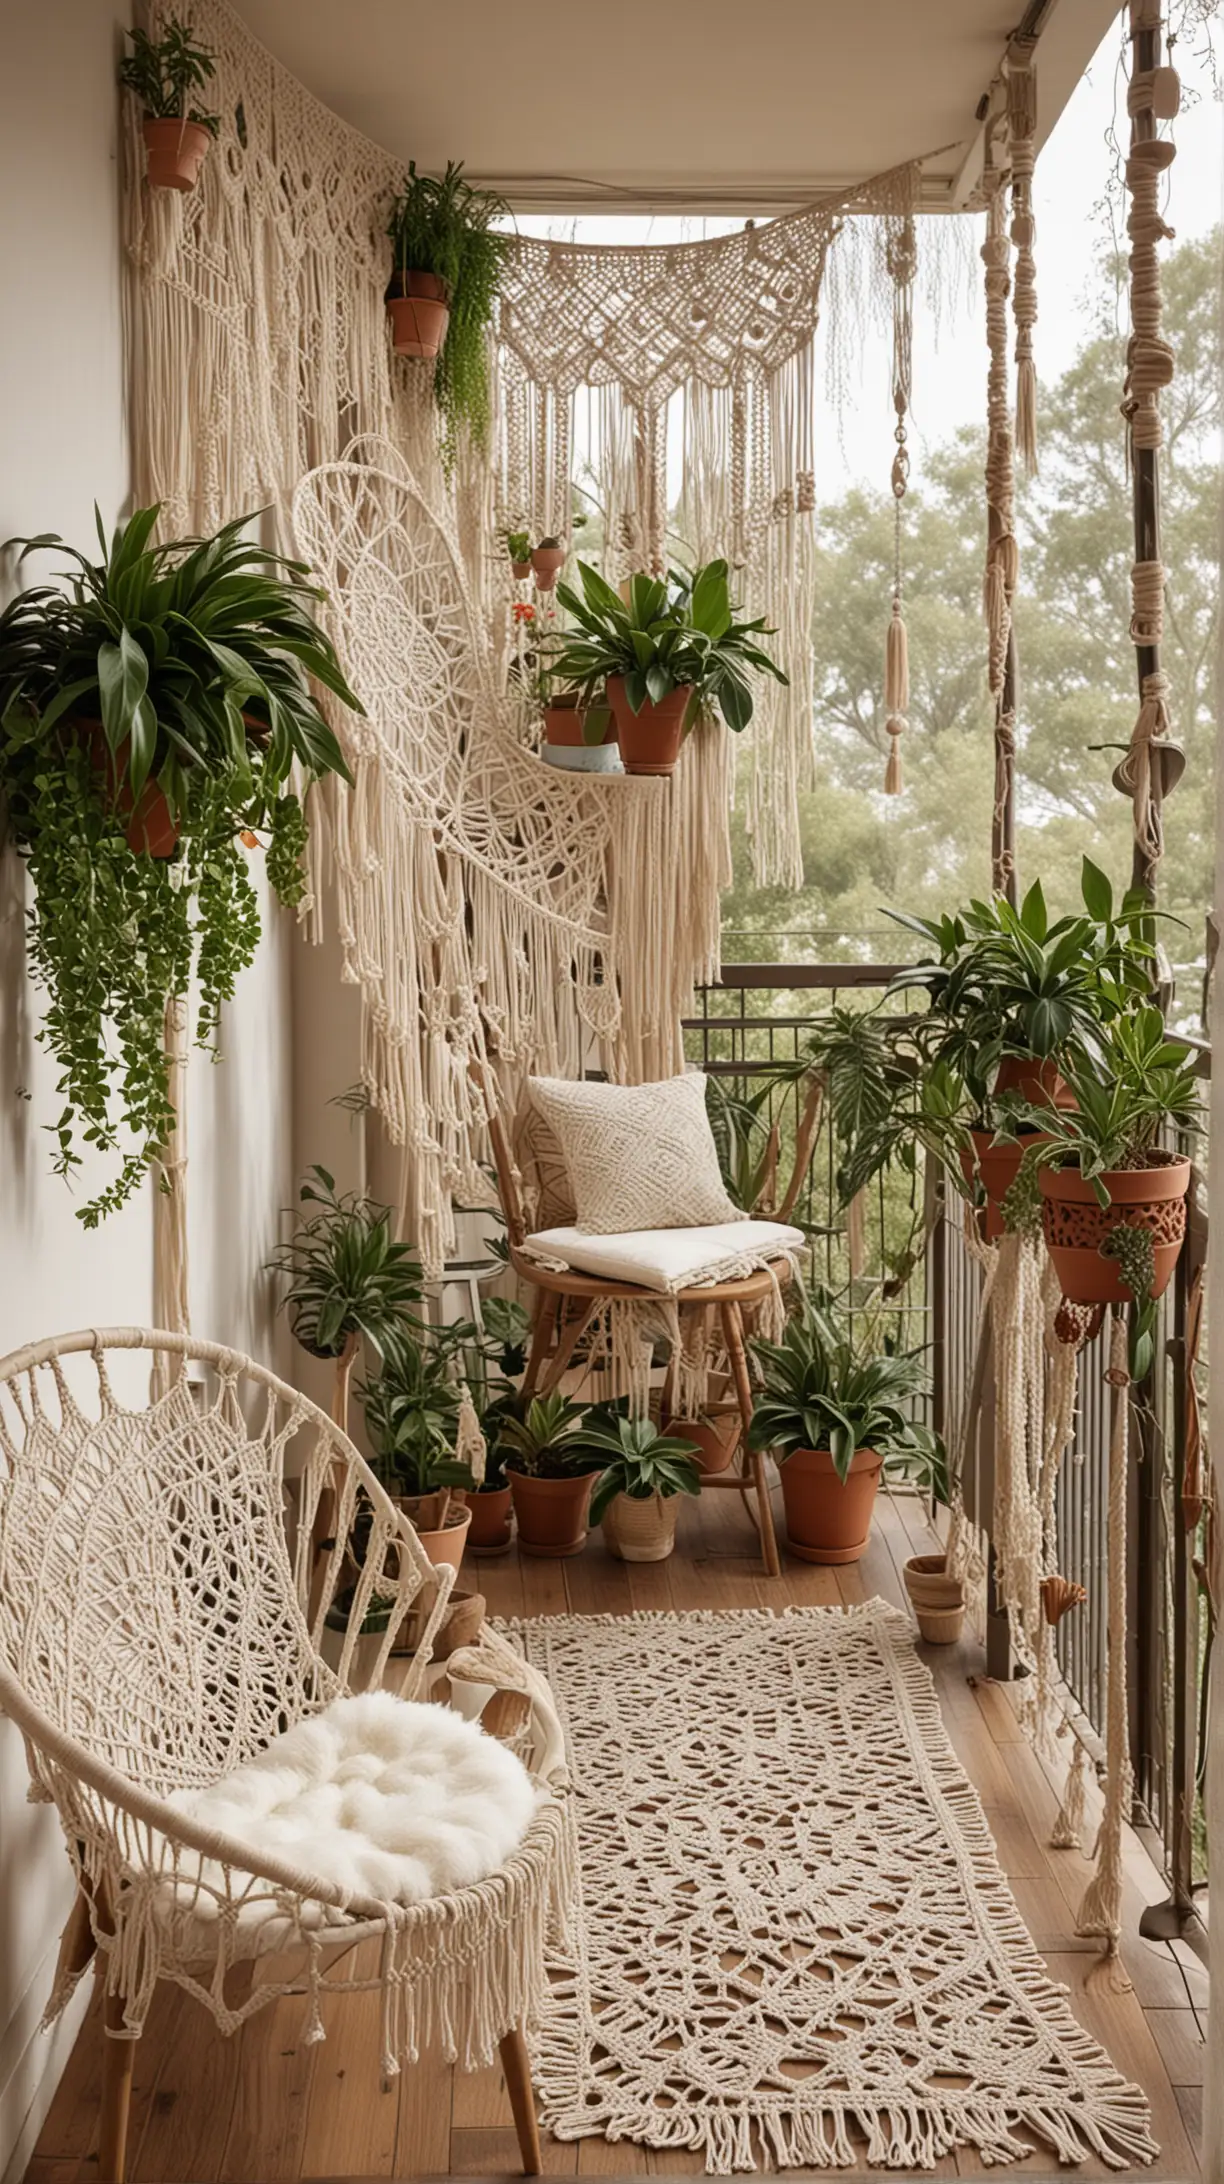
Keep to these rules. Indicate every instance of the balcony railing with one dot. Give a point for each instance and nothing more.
(758, 1018)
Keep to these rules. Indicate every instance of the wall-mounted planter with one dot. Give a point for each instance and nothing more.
(1075, 1226)
(176, 150)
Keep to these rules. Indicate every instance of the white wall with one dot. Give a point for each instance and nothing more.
(62, 445)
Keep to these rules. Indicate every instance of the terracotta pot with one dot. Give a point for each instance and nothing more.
(551, 1514)
(520, 570)
(419, 313)
(938, 1600)
(1034, 1080)
(641, 1531)
(176, 150)
(447, 1544)
(547, 563)
(713, 1438)
(828, 1520)
(563, 721)
(649, 740)
(996, 1168)
(1075, 1226)
(490, 1528)
(151, 830)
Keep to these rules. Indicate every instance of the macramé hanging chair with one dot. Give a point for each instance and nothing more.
(167, 1569)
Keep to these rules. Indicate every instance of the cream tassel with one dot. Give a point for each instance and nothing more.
(470, 1446)
(1068, 1829)
(1101, 1910)
(896, 695)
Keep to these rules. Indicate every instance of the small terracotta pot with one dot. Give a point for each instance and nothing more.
(547, 563)
(1075, 1226)
(490, 1527)
(996, 1167)
(176, 150)
(713, 1438)
(419, 313)
(447, 1544)
(938, 1600)
(551, 1514)
(563, 721)
(641, 1531)
(1038, 1081)
(151, 829)
(828, 1520)
(520, 571)
(649, 740)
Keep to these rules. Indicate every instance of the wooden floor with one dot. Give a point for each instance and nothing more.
(263, 2107)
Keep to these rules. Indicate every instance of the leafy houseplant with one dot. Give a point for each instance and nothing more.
(670, 653)
(448, 264)
(834, 1420)
(412, 1417)
(550, 1470)
(349, 1280)
(1113, 1203)
(151, 716)
(518, 547)
(637, 1496)
(164, 72)
(491, 1360)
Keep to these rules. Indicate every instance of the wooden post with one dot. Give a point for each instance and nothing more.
(1145, 467)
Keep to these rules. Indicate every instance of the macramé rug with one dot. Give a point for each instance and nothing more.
(794, 1946)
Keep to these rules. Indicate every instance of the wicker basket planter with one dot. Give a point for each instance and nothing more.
(641, 1530)
(1075, 1226)
(938, 1601)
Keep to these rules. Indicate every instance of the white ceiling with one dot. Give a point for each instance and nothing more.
(714, 104)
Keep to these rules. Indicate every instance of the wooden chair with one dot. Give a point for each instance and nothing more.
(567, 1302)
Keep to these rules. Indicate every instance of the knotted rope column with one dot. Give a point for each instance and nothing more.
(1022, 132)
(1002, 556)
(1154, 762)
(902, 254)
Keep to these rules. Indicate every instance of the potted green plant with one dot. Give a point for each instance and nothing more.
(547, 562)
(1007, 991)
(518, 546)
(636, 1499)
(412, 1417)
(551, 1471)
(569, 723)
(506, 1330)
(152, 715)
(669, 653)
(348, 1279)
(448, 260)
(833, 1419)
(1113, 1200)
(164, 71)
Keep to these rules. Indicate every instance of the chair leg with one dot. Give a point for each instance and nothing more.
(541, 1336)
(569, 1336)
(118, 2058)
(513, 2053)
(733, 1330)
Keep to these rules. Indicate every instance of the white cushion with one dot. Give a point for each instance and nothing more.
(383, 1796)
(669, 1259)
(639, 1156)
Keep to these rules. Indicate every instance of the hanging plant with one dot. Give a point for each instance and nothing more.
(164, 72)
(152, 715)
(448, 265)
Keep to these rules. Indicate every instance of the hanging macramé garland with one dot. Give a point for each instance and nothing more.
(902, 251)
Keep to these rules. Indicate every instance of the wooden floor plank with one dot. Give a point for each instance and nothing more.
(495, 2153)
(350, 2121)
(267, 2125)
(1179, 2036)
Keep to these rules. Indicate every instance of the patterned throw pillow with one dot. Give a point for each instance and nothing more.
(639, 1156)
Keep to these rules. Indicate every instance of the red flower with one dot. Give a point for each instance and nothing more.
(524, 611)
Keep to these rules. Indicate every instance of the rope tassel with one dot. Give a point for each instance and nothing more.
(896, 695)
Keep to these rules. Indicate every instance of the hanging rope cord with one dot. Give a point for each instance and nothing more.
(901, 251)
(1022, 133)
(1002, 553)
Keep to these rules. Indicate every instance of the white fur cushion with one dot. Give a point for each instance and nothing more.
(669, 1259)
(639, 1156)
(382, 1796)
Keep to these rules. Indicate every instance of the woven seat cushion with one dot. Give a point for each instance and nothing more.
(669, 1259)
(638, 1156)
(382, 1796)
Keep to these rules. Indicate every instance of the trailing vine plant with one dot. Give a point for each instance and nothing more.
(440, 224)
(155, 714)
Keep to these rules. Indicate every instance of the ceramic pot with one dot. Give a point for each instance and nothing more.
(714, 1438)
(419, 313)
(641, 1531)
(649, 740)
(176, 150)
(547, 563)
(151, 830)
(1075, 1226)
(938, 1600)
(551, 1514)
(490, 1528)
(827, 1519)
(444, 1544)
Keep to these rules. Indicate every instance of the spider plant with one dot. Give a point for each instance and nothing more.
(637, 1460)
(440, 224)
(820, 1393)
(163, 72)
(678, 633)
(1136, 1085)
(412, 1416)
(348, 1279)
(549, 1442)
